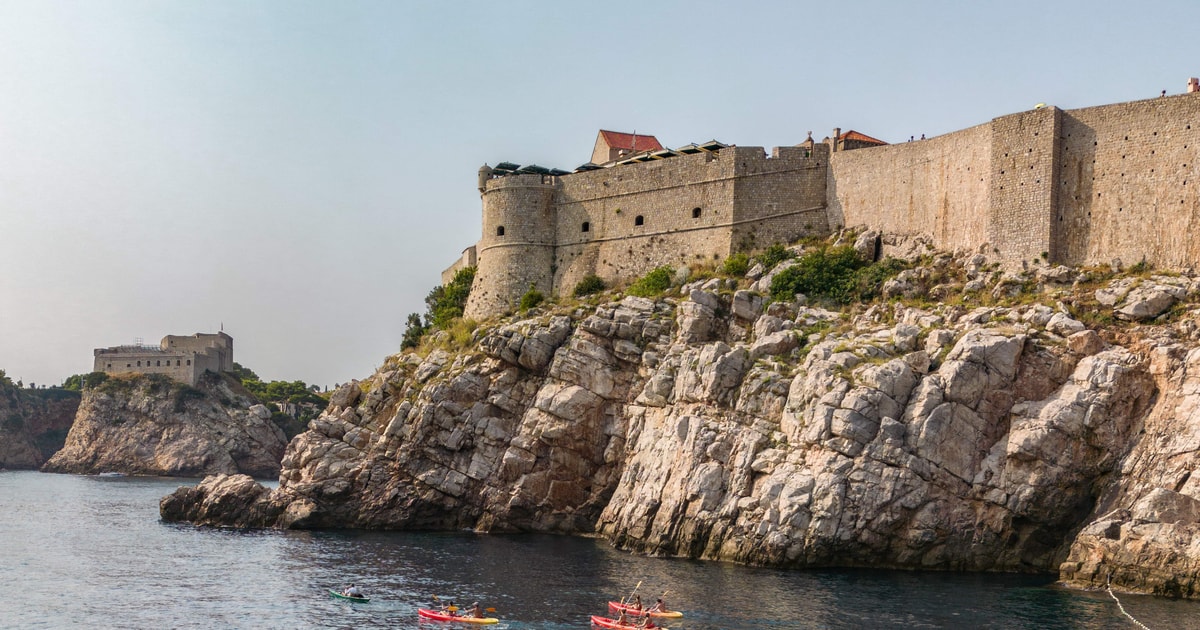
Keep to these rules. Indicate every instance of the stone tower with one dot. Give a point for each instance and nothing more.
(520, 225)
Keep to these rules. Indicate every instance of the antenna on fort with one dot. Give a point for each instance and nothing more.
(137, 341)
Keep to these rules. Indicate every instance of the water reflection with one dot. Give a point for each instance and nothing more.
(92, 553)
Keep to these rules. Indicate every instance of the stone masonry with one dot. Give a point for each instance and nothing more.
(1114, 183)
(183, 358)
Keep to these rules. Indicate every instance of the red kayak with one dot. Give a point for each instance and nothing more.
(438, 615)
(605, 622)
(630, 610)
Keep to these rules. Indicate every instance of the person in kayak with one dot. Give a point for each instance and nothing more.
(658, 606)
(637, 603)
(622, 620)
(476, 611)
(352, 591)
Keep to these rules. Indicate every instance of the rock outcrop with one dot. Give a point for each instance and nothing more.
(33, 424)
(1009, 436)
(151, 425)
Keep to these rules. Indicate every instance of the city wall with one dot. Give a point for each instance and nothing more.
(1127, 185)
(1045, 186)
(938, 187)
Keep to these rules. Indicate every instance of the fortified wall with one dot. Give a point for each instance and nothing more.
(183, 358)
(549, 231)
(1046, 186)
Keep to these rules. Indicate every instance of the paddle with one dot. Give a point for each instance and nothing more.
(635, 590)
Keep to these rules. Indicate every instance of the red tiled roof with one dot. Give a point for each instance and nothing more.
(618, 140)
(861, 137)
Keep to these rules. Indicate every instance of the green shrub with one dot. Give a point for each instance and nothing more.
(532, 298)
(835, 274)
(76, 382)
(773, 255)
(590, 284)
(445, 303)
(736, 265)
(413, 331)
(652, 284)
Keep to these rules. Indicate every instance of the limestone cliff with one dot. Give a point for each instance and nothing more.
(151, 425)
(33, 424)
(992, 430)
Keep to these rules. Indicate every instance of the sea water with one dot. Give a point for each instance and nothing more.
(91, 552)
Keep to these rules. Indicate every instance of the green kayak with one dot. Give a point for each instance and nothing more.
(361, 600)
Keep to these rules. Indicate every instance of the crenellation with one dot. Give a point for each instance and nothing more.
(1080, 187)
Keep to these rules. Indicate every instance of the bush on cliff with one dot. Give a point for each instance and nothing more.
(652, 284)
(414, 329)
(77, 382)
(446, 303)
(834, 274)
(532, 298)
(589, 285)
(443, 305)
(772, 256)
(736, 265)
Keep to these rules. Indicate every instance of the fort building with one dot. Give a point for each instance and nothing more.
(1044, 186)
(183, 358)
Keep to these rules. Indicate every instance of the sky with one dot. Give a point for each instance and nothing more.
(298, 173)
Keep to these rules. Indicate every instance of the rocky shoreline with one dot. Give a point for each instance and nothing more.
(151, 425)
(971, 420)
(33, 424)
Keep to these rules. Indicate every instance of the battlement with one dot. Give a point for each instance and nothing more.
(1044, 186)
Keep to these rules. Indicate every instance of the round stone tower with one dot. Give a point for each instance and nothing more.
(517, 247)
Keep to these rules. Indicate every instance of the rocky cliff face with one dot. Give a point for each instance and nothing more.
(988, 431)
(151, 425)
(33, 424)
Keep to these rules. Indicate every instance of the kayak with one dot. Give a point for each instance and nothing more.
(630, 610)
(349, 598)
(605, 622)
(438, 615)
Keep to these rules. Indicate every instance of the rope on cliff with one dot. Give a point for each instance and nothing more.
(1122, 608)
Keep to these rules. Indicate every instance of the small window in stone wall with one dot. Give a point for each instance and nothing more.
(639, 220)
(695, 213)
(139, 364)
(176, 362)
(500, 231)
(189, 362)
(587, 227)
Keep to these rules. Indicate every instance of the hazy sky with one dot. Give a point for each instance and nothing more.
(301, 172)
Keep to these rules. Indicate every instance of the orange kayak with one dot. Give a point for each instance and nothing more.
(605, 622)
(438, 615)
(630, 610)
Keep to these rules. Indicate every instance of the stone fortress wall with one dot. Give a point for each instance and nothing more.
(183, 358)
(1046, 186)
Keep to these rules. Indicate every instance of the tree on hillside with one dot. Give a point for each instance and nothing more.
(443, 305)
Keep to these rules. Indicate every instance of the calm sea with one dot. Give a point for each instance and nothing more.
(88, 552)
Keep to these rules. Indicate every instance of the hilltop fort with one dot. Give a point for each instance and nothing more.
(1045, 186)
(183, 358)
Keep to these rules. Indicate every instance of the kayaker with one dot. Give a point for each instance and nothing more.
(622, 620)
(637, 603)
(658, 606)
(476, 611)
(352, 591)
